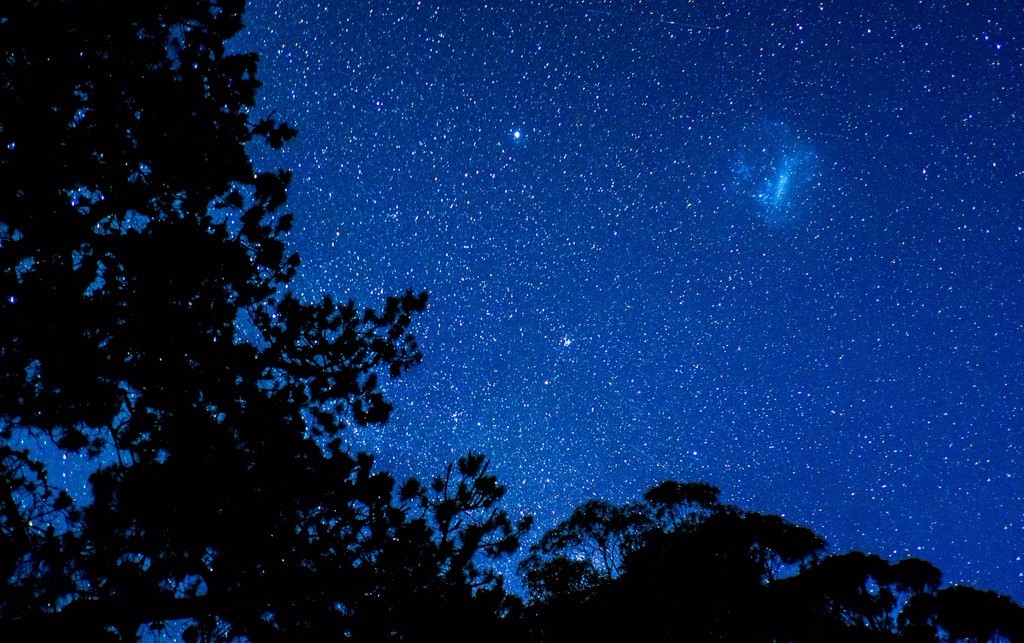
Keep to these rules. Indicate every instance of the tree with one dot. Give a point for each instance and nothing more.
(858, 596)
(148, 323)
(961, 613)
(689, 567)
(582, 551)
(675, 505)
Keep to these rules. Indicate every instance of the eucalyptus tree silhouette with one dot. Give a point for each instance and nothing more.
(688, 567)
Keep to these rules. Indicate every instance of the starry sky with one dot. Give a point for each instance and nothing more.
(772, 245)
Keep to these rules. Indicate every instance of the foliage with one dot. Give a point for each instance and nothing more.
(686, 567)
(149, 325)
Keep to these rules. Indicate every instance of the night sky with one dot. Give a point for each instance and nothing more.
(775, 246)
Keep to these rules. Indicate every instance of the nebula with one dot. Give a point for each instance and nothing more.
(772, 169)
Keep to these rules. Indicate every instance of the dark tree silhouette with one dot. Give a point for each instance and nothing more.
(687, 567)
(961, 613)
(147, 324)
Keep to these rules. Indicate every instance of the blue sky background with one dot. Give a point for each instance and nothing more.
(775, 246)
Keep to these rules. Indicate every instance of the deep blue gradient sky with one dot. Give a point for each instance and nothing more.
(772, 245)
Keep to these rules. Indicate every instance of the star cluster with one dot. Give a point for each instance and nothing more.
(774, 246)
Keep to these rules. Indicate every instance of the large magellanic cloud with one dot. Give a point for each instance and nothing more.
(773, 169)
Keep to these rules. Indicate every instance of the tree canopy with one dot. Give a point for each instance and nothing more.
(149, 325)
(681, 565)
